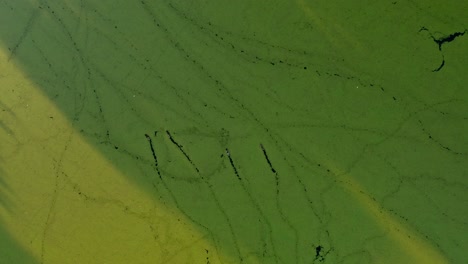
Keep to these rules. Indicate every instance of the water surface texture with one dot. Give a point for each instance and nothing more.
(156, 131)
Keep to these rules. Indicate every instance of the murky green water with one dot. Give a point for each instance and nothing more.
(233, 132)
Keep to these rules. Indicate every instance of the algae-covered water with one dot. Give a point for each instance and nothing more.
(299, 131)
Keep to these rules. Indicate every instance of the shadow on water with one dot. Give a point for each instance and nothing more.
(68, 50)
(154, 90)
(11, 251)
(135, 94)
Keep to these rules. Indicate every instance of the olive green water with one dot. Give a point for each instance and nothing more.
(233, 131)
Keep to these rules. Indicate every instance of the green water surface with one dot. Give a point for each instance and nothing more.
(154, 131)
